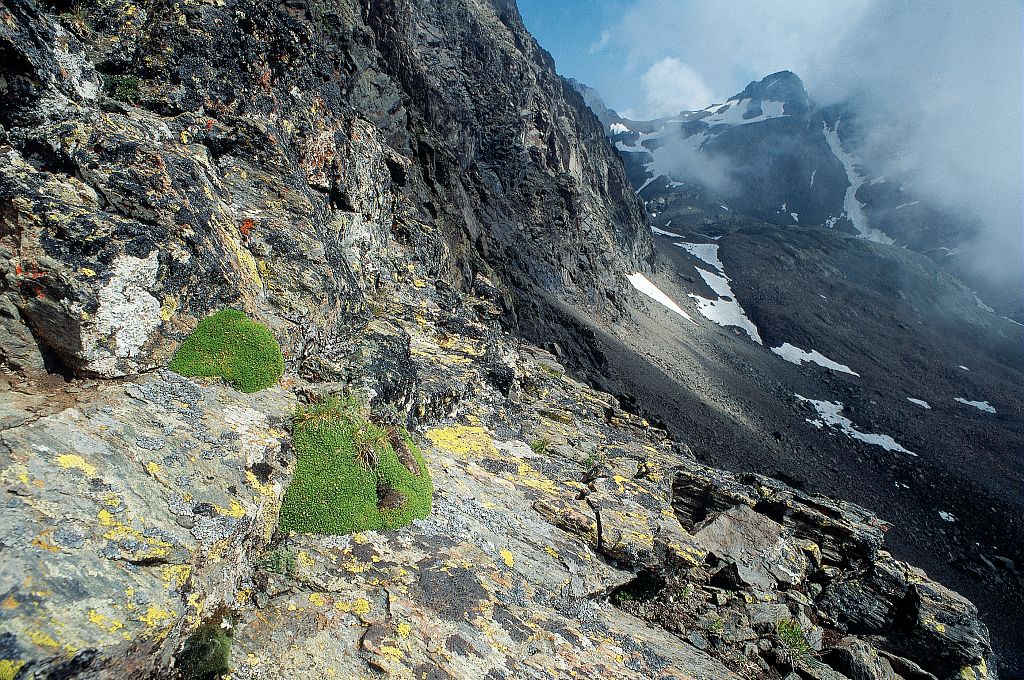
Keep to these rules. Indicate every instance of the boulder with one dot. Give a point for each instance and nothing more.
(762, 550)
(130, 517)
(858, 660)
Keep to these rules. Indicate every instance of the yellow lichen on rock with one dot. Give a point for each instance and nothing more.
(9, 668)
(72, 461)
(108, 624)
(977, 672)
(463, 440)
(507, 557)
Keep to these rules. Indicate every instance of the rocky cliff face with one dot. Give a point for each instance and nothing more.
(401, 190)
(163, 160)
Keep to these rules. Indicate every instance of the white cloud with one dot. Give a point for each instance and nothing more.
(670, 86)
(601, 42)
(727, 42)
(939, 86)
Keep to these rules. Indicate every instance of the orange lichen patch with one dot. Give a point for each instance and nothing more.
(31, 271)
(43, 541)
(247, 226)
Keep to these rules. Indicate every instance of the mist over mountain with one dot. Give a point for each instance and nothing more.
(935, 86)
(938, 96)
(773, 150)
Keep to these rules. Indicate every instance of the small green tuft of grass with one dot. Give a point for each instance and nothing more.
(620, 597)
(791, 634)
(77, 13)
(353, 475)
(124, 88)
(540, 446)
(231, 346)
(207, 652)
(280, 560)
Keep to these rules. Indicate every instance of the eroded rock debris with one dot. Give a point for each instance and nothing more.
(358, 177)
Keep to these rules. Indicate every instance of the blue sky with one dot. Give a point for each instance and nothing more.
(655, 57)
(571, 30)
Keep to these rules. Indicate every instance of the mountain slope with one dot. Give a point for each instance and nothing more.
(880, 370)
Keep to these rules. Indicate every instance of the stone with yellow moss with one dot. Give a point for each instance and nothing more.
(132, 516)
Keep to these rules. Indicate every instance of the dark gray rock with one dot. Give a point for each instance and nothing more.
(858, 660)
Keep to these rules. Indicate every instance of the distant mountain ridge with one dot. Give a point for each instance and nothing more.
(769, 152)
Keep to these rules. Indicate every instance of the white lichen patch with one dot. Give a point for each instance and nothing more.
(257, 441)
(128, 315)
(79, 73)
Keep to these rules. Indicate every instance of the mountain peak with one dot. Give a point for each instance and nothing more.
(784, 86)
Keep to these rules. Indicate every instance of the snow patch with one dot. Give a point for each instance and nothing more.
(642, 284)
(982, 305)
(618, 128)
(795, 355)
(947, 517)
(980, 405)
(725, 311)
(831, 414)
(854, 208)
(732, 112)
(920, 402)
(705, 252)
(662, 232)
(647, 183)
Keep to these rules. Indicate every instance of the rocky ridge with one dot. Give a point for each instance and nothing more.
(568, 538)
(358, 177)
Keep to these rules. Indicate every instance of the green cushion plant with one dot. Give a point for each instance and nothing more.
(206, 654)
(353, 475)
(232, 346)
